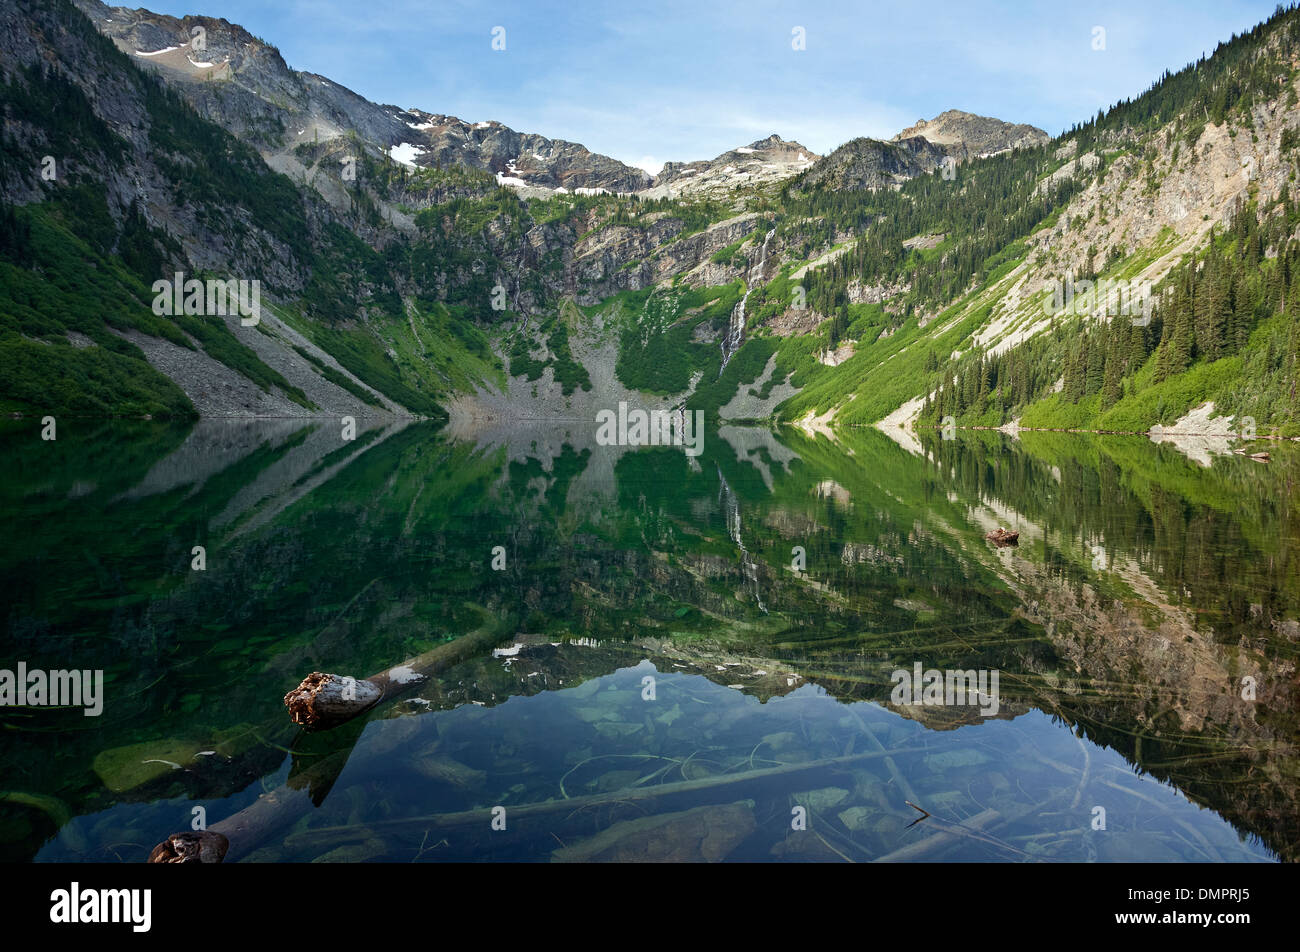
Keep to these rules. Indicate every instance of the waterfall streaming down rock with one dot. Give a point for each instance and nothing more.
(735, 332)
(735, 335)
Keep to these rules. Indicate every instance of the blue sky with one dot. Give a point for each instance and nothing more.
(673, 80)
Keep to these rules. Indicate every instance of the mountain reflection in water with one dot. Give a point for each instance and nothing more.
(695, 656)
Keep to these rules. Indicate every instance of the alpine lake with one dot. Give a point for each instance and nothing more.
(688, 657)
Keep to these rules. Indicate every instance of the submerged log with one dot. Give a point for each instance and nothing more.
(571, 805)
(239, 834)
(950, 832)
(1003, 537)
(207, 846)
(321, 701)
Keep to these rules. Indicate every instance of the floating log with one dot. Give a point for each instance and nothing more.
(1003, 537)
(323, 701)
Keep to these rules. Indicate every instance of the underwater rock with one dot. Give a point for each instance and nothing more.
(52, 807)
(670, 715)
(887, 824)
(593, 714)
(997, 782)
(820, 800)
(701, 835)
(1135, 849)
(15, 828)
(618, 728)
(451, 772)
(577, 755)
(855, 818)
(354, 852)
(780, 740)
(125, 768)
(967, 757)
(947, 800)
(803, 846)
(617, 780)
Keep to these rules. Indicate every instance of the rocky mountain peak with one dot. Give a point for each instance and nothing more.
(871, 163)
(761, 162)
(276, 108)
(967, 135)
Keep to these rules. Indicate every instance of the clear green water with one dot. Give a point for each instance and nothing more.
(1144, 589)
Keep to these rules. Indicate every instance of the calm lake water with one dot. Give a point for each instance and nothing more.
(695, 655)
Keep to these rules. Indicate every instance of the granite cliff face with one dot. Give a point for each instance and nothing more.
(314, 238)
(123, 177)
(242, 83)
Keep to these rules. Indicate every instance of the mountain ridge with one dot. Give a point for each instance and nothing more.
(978, 136)
(244, 84)
(235, 77)
(887, 281)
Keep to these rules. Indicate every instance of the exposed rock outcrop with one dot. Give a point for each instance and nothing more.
(968, 135)
(761, 162)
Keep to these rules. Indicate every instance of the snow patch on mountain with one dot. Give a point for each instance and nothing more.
(406, 153)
